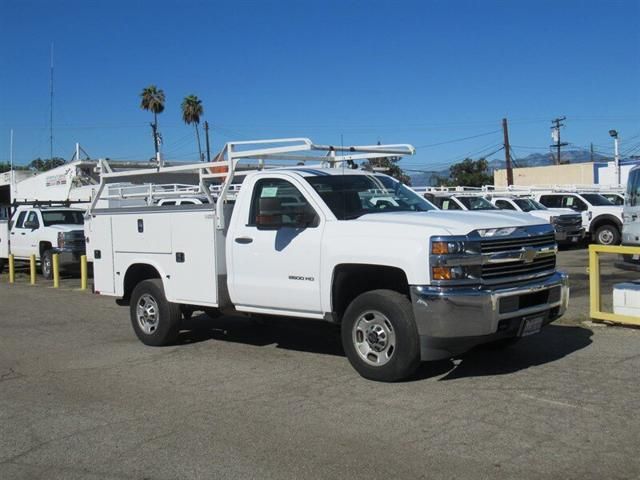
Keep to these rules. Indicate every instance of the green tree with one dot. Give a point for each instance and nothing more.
(6, 166)
(44, 164)
(468, 173)
(191, 111)
(152, 100)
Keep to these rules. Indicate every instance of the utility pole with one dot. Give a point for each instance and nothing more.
(206, 134)
(507, 152)
(51, 108)
(591, 152)
(616, 154)
(555, 135)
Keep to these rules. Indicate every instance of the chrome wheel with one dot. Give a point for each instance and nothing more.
(605, 237)
(374, 338)
(148, 314)
(46, 266)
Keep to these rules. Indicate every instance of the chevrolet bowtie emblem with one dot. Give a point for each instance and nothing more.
(529, 255)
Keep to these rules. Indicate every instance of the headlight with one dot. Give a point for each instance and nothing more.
(447, 247)
(590, 215)
(60, 240)
(455, 260)
(553, 219)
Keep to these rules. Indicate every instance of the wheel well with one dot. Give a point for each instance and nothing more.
(605, 220)
(136, 273)
(43, 247)
(351, 280)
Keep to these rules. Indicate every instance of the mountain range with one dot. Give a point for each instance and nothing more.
(531, 160)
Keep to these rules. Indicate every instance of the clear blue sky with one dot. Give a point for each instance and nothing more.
(422, 72)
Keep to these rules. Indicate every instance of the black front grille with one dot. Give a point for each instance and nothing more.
(74, 240)
(510, 244)
(568, 221)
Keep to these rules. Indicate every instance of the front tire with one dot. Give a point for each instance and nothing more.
(46, 264)
(608, 235)
(379, 336)
(155, 320)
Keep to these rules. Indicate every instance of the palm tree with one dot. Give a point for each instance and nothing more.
(191, 111)
(153, 101)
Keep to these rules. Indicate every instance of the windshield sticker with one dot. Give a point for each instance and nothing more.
(269, 192)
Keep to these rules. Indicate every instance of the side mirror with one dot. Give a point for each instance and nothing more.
(31, 225)
(269, 213)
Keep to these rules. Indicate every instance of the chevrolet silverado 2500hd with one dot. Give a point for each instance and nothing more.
(405, 281)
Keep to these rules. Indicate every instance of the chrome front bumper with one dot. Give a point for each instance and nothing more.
(450, 321)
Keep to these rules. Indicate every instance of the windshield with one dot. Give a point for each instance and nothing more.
(527, 205)
(350, 196)
(596, 199)
(614, 198)
(62, 217)
(476, 203)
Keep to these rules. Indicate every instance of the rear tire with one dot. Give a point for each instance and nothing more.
(607, 234)
(2, 264)
(155, 320)
(46, 264)
(380, 337)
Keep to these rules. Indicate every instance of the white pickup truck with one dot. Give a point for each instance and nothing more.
(405, 281)
(566, 223)
(42, 231)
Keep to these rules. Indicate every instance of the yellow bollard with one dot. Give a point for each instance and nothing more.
(12, 269)
(56, 270)
(83, 272)
(32, 269)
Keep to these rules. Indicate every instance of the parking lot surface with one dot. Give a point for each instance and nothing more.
(81, 397)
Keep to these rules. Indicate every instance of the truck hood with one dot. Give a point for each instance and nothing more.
(67, 228)
(455, 223)
(560, 211)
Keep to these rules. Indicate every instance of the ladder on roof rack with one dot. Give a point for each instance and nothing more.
(225, 167)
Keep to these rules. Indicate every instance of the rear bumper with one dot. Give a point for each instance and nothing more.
(450, 321)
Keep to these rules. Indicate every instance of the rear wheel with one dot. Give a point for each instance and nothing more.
(155, 320)
(380, 337)
(46, 264)
(607, 234)
(2, 264)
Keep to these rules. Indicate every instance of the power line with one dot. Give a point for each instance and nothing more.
(458, 139)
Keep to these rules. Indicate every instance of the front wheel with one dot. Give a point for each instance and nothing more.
(46, 265)
(380, 337)
(608, 235)
(155, 320)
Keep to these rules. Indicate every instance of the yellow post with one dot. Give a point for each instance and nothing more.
(32, 269)
(83, 272)
(594, 280)
(56, 270)
(12, 269)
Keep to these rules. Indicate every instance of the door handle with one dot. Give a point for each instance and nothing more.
(22, 233)
(243, 240)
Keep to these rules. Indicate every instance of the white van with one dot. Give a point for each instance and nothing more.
(631, 210)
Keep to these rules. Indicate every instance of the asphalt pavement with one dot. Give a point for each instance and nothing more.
(82, 398)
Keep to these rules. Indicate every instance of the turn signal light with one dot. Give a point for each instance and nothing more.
(441, 273)
(439, 248)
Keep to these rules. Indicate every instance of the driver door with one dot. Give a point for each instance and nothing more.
(276, 254)
(24, 234)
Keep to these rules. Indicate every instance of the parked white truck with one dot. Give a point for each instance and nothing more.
(36, 229)
(405, 281)
(566, 223)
